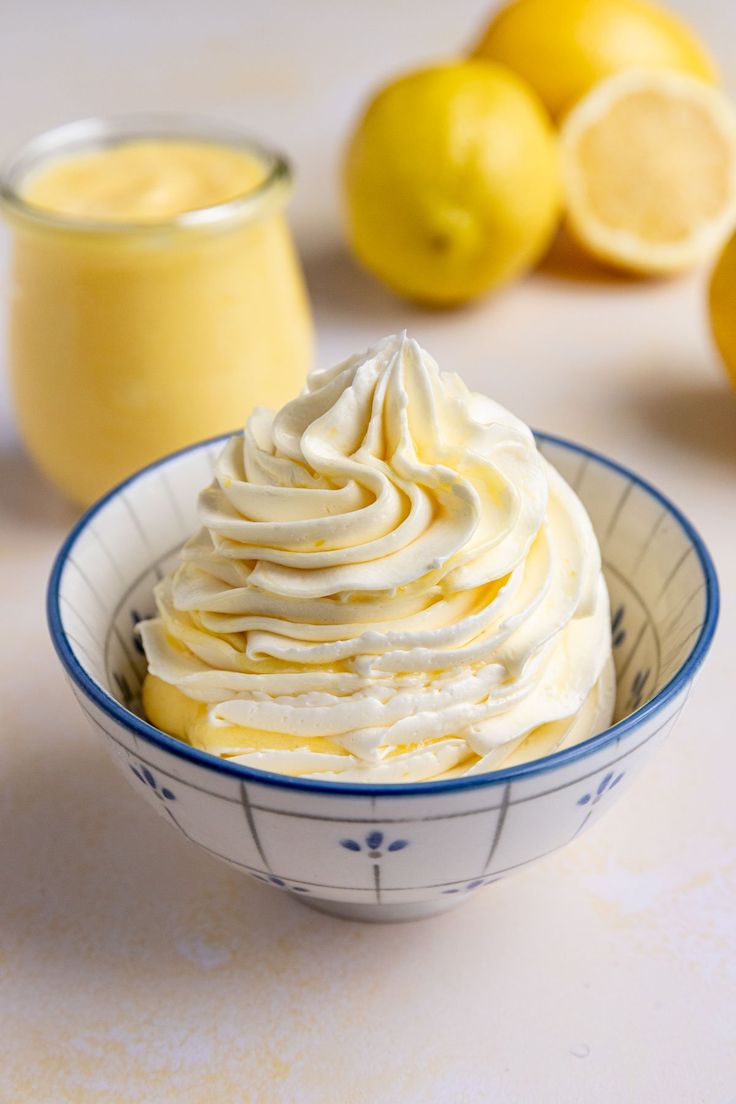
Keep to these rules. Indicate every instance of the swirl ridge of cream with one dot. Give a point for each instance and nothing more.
(390, 584)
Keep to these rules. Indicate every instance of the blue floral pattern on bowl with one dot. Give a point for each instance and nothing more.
(135, 618)
(144, 775)
(618, 632)
(605, 786)
(373, 843)
(280, 883)
(292, 833)
(636, 694)
(126, 694)
(476, 883)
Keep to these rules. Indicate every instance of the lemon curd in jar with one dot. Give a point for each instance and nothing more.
(156, 295)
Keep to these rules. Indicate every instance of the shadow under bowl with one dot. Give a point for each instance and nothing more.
(371, 851)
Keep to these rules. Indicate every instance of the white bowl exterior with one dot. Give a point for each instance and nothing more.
(385, 849)
(384, 854)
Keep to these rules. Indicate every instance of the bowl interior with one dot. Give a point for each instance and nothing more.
(656, 577)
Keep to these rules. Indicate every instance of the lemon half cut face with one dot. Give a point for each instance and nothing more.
(649, 168)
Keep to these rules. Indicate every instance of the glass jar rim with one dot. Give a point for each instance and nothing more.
(99, 132)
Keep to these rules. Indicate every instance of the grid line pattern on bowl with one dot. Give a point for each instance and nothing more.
(392, 850)
(554, 448)
(267, 872)
(505, 802)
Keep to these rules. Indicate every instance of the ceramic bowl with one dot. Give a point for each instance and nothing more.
(382, 852)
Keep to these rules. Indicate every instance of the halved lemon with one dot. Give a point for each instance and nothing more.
(649, 170)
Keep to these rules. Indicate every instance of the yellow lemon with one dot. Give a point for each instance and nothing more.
(451, 182)
(722, 306)
(564, 47)
(649, 170)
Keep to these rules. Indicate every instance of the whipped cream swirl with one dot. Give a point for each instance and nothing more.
(391, 584)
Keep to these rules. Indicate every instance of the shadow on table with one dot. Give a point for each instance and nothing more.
(566, 260)
(90, 870)
(340, 288)
(26, 498)
(698, 416)
(96, 885)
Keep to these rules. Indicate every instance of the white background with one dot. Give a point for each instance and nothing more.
(134, 969)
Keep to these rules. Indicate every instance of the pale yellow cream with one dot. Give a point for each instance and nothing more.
(143, 180)
(133, 334)
(390, 584)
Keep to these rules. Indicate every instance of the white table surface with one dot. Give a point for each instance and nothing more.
(135, 969)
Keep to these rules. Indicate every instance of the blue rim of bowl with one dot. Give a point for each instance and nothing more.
(616, 732)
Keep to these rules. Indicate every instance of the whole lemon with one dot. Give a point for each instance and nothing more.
(722, 306)
(564, 47)
(451, 182)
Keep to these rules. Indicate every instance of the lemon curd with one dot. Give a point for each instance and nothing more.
(156, 295)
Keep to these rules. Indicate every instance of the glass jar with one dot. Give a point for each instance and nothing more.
(131, 339)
